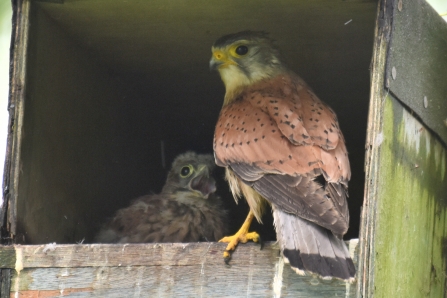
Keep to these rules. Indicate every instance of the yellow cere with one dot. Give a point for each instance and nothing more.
(219, 55)
(222, 56)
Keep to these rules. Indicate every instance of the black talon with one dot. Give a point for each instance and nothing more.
(261, 242)
(227, 259)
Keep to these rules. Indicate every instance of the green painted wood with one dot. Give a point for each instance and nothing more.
(404, 218)
(411, 230)
(418, 55)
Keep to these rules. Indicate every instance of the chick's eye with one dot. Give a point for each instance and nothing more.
(241, 50)
(186, 171)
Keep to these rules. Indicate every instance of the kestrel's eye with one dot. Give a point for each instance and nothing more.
(186, 171)
(241, 50)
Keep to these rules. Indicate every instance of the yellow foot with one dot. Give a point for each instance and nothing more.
(241, 236)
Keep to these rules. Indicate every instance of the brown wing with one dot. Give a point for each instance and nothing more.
(278, 137)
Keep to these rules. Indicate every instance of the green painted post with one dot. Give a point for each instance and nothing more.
(403, 241)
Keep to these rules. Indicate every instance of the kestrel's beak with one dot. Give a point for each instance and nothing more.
(214, 64)
(202, 182)
(220, 60)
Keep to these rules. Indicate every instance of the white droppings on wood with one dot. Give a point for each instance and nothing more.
(353, 243)
(379, 139)
(277, 279)
(352, 247)
(18, 267)
(65, 273)
(411, 126)
(49, 247)
(124, 247)
(19, 259)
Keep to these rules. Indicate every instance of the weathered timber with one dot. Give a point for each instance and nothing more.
(418, 55)
(160, 270)
(412, 210)
(404, 217)
(368, 217)
(18, 57)
(5, 282)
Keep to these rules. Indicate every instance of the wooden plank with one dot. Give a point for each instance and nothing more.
(18, 54)
(412, 210)
(5, 282)
(404, 217)
(418, 55)
(105, 255)
(160, 270)
(365, 275)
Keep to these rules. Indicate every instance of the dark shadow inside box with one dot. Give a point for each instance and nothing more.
(113, 89)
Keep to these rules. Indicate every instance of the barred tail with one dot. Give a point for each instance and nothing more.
(309, 247)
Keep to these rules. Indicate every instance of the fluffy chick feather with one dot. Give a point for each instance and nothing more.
(186, 210)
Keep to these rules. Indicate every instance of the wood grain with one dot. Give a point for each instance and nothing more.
(404, 216)
(159, 270)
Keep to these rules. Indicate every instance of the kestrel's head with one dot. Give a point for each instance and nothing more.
(190, 176)
(244, 58)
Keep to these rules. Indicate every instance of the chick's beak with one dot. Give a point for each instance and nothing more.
(203, 183)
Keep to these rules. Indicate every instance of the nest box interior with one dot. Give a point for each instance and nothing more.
(116, 89)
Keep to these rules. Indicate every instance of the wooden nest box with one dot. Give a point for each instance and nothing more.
(105, 93)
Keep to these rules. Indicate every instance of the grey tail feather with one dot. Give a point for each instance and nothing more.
(307, 247)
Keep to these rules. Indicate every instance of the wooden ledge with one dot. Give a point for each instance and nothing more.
(160, 270)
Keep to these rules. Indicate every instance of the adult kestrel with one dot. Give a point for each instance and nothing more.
(186, 210)
(281, 144)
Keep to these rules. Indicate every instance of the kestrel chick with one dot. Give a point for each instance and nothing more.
(186, 210)
(281, 144)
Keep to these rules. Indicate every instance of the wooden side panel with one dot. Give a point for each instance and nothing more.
(73, 166)
(18, 57)
(403, 248)
(365, 274)
(160, 270)
(411, 231)
(418, 56)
